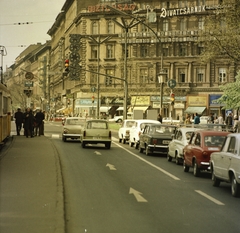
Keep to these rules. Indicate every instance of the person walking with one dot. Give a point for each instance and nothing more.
(235, 125)
(229, 122)
(188, 120)
(220, 119)
(196, 119)
(39, 117)
(159, 118)
(28, 119)
(18, 120)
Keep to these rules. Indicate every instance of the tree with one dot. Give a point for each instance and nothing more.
(221, 33)
(231, 96)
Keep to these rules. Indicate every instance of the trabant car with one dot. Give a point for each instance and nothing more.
(137, 129)
(156, 138)
(96, 132)
(225, 164)
(72, 128)
(201, 145)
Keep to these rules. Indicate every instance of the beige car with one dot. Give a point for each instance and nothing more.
(72, 128)
(96, 132)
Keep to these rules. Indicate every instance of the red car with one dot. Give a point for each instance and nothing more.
(201, 145)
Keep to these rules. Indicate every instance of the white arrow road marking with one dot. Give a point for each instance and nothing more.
(209, 197)
(111, 167)
(137, 195)
(97, 152)
(149, 163)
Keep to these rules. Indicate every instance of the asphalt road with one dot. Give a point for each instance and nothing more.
(122, 191)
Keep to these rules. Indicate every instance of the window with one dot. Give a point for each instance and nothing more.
(94, 52)
(108, 80)
(93, 77)
(165, 25)
(232, 143)
(110, 27)
(201, 2)
(182, 76)
(183, 25)
(110, 51)
(143, 76)
(200, 75)
(95, 28)
(182, 3)
(200, 49)
(143, 51)
(222, 75)
(182, 50)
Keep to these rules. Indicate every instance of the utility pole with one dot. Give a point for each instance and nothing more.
(3, 52)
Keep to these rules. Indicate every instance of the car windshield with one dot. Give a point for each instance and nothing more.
(129, 123)
(188, 135)
(214, 140)
(97, 125)
(163, 130)
(75, 121)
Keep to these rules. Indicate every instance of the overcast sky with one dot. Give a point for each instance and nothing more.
(40, 14)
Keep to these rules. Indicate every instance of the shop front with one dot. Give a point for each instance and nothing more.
(197, 104)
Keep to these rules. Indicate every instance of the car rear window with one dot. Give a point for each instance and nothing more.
(129, 123)
(97, 125)
(214, 140)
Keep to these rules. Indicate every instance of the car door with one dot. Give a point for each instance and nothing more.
(188, 150)
(227, 157)
(143, 137)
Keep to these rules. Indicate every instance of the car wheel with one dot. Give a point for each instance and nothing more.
(83, 145)
(169, 158)
(185, 167)
(64, 139)
(140, 149)
(108, 145)
(119, 121)
(124, 141)
(136, 145)
(215, 180)
(120, 140)
(177, 159)
(235, 187)
(196, 170)
(130, 144)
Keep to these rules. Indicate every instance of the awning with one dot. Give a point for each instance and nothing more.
(104, 109)
(144, 108)
(192, 110)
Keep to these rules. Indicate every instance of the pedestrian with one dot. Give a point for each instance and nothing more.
(28, 119)
(159, 118)
(229, 122)
(188, 120)
(18, 120)
(39, 117)
(216, 121)
(235, 125)
(220, 119)
(196, 119)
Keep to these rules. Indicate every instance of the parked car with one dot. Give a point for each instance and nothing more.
(201, 144)
(225, 164)
(96, 132)
(72, 128)
(124, 131)
(137, 129)
(180, 140)
(119, 119)
(168, 120)
(156, 138)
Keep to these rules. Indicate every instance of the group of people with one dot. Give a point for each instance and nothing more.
(33, 124)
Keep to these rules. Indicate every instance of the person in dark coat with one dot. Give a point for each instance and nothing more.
(39, 117)
(18, 120)
(159, 118)
(28, 122)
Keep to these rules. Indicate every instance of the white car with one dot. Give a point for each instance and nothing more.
(168, 120)
(137, 129)
(96, 132)
(72, 128)
(119, 119)
(180, 140)
(124, 131)
(225, 164)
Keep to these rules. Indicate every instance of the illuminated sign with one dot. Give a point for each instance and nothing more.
(121, 7)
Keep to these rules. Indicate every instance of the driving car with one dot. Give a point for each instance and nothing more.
(201, 144)
(72, 128)
(179, 141)
(225, 164)
(124, 131)
(156, 138)
(96, 132)
(137, 129)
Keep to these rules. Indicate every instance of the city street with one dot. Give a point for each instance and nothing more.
(121, 190)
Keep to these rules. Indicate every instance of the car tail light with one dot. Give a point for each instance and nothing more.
(84, 133)
(205, 154)
(110, 134)
(154, 141)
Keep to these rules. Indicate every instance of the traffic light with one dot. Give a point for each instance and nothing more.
(66, 65)
(93, 99)
(172, 98)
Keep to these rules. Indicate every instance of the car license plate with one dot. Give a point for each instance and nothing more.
(165, 142)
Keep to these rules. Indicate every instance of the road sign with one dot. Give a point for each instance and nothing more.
(28, 83)
(172, 83)
(29, 75)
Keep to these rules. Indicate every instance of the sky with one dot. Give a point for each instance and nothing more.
(40, 16)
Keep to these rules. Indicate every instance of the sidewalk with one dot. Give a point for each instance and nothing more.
(31, 191)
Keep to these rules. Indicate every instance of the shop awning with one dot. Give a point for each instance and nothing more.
(104, 109)
(192, 110)
(144, 108)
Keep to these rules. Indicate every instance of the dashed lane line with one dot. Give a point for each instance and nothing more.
(209, 197)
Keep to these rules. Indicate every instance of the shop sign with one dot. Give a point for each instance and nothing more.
(140, 100)
(104, 8)
(197, 101)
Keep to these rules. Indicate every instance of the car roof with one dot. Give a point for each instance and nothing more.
(211, 132)
(97, 120)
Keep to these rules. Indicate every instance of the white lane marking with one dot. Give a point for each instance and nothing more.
(151, 164)
(209, 197)
(137, 195)
(55, 136)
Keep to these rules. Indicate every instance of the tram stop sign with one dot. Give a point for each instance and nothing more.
(172, 83)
